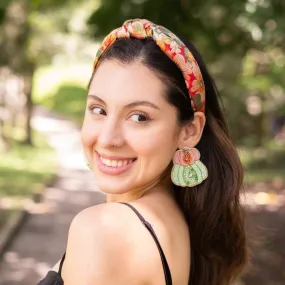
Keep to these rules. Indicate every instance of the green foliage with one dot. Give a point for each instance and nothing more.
(63, 89)
(3, 6)
(209, 24)
(23, 172)
(263, 164)
(69, 101)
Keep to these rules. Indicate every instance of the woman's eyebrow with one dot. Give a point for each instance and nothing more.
(144, 103)
(96, 98)
(130, 105)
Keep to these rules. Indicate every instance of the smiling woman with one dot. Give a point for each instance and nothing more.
(156, 140)
(121, 129)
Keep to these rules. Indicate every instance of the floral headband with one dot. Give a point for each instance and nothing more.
(172, 46)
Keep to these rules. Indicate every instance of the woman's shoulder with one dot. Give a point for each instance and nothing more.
(107, 218)
(114, 223)
(103, 239)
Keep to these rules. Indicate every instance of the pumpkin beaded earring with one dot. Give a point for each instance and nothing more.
(188, 170)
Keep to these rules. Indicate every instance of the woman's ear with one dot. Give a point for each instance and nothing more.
(191, 133)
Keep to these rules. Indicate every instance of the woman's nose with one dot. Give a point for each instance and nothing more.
(110, 134)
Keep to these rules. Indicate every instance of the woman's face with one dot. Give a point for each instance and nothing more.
(130, 131)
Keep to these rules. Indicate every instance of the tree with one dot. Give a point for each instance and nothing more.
(15, 31)
(23, 46)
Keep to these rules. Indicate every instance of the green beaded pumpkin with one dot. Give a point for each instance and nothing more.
(188, 170)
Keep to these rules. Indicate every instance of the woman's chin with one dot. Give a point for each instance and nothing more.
(111, 188)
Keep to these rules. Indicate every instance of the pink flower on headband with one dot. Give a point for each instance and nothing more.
(172, 46)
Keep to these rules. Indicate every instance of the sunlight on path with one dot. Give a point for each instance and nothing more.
(62, 135)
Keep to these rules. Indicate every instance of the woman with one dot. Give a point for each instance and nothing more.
(155, 137)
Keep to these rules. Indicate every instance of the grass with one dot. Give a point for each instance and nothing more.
(47, 79)
(69, 101)
(63, 89)
(24, 171)
(5, 215)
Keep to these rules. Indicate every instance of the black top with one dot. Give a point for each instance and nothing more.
(54, 278)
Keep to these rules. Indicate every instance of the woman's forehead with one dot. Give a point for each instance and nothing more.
(116, 80)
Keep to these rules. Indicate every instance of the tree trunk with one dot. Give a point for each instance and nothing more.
(28, 87)
(262, 122)
(14, 48)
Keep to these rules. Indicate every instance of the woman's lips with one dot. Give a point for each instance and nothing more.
(112, 170)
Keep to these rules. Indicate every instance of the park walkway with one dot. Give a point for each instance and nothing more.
(41, 240)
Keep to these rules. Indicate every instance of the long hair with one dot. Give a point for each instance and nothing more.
(211, 209)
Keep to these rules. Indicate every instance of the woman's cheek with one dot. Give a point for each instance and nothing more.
(88, 134)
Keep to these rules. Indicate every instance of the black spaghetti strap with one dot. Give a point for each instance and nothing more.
(166, 269)
(60, 265)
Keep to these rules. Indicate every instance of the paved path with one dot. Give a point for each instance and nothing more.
(42, 239)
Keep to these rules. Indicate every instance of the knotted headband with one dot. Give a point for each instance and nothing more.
(172, 46)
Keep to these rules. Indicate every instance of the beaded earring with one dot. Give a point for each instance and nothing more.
(188, 170)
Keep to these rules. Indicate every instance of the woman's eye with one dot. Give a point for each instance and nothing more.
(97, 111)
(140, 118)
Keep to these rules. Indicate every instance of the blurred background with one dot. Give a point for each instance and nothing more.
(47, 49)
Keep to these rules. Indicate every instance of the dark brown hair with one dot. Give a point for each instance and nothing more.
(212, 209)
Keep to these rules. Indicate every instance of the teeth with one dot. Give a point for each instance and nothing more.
(115, 163)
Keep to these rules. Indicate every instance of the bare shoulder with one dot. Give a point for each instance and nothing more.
(107, 244)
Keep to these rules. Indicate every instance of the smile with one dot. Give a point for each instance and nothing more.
(115, 163)
(113, 166)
